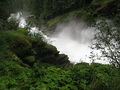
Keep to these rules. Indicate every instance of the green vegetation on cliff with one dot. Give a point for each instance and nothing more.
(29, 63)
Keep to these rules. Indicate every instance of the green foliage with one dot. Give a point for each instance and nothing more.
(94, 77)
(16, 73)
(48, 9)
(56, 78)
(103, 76)
(12, 75)
(17, 42)
(56, 11)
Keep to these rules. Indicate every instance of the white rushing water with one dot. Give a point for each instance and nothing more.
(19, 18)
(72, 38)
(75, 39)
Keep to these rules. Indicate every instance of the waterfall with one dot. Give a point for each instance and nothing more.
(72, 38)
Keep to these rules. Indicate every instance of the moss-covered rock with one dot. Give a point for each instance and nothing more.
(18, 43)
(21, 46)
(29, 48)
(30, 60)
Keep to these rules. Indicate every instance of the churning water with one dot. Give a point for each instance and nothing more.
(72, 38)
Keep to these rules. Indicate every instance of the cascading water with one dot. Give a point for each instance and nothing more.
(73, 39)
(19, 19)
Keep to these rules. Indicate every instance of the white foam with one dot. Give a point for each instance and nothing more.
(74, 39)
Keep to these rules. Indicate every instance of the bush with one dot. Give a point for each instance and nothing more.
(13, 76)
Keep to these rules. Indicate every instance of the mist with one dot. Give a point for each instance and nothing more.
(75, 39)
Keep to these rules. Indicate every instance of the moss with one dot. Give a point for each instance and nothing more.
(18, 43)
(21, 47)
(50, 49)
(30, 60)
